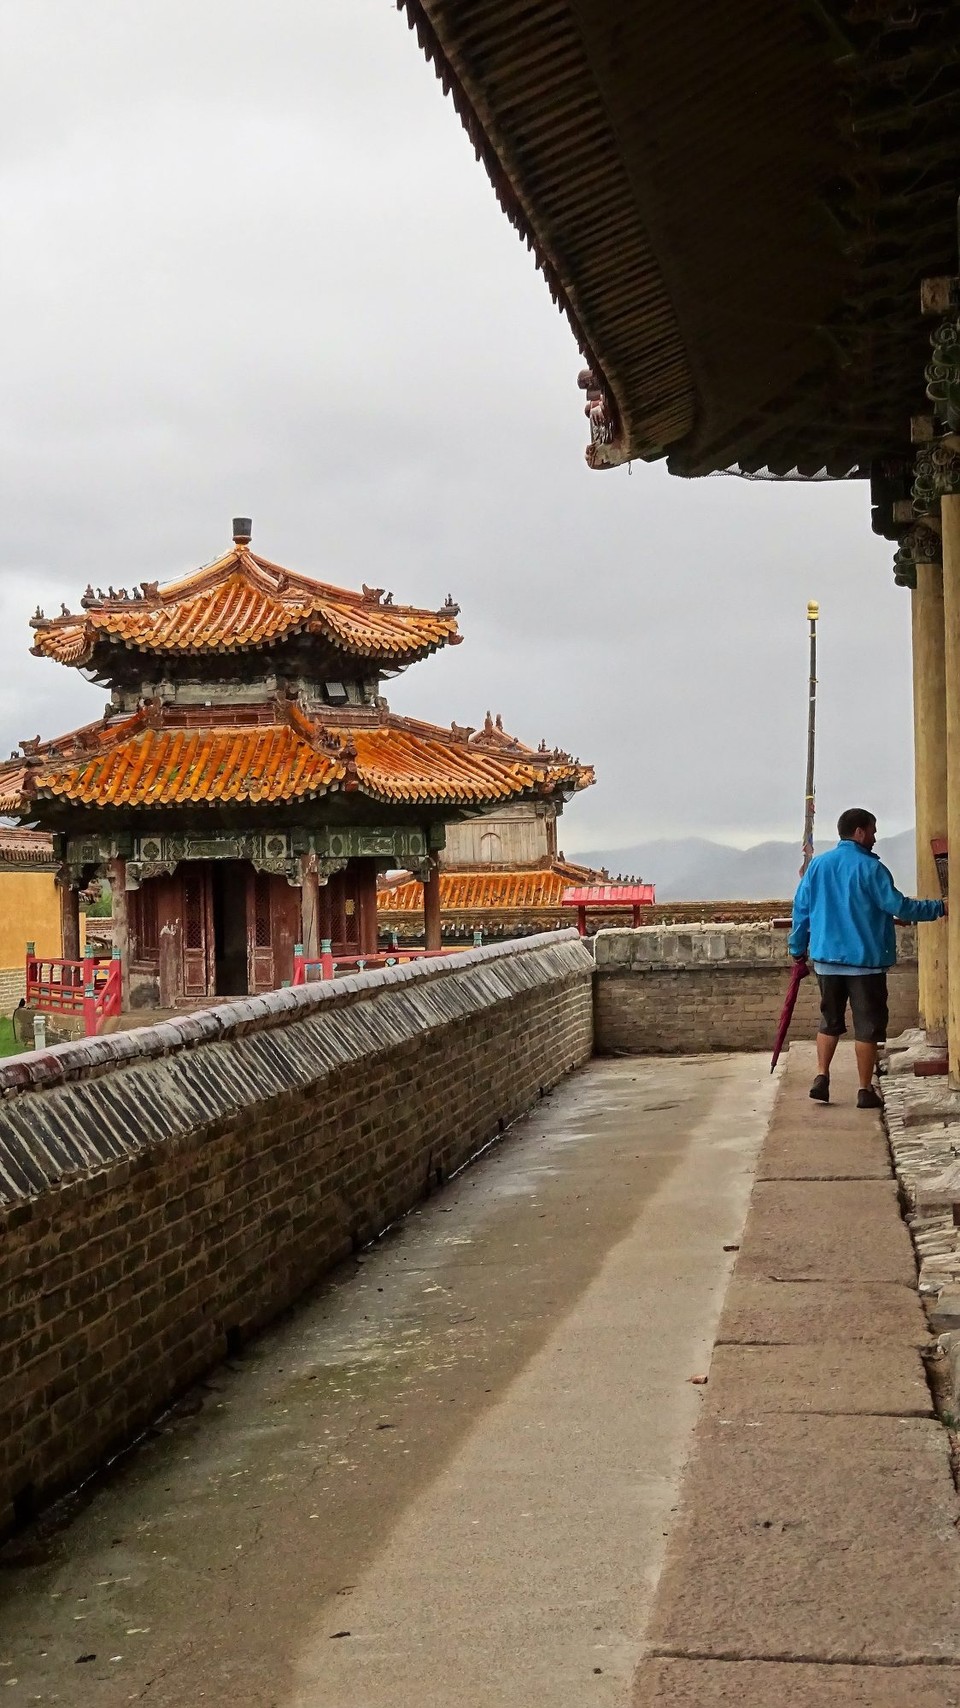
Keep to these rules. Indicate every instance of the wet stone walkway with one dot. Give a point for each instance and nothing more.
(447, 1477)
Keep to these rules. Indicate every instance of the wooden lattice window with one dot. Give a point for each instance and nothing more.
(144, 924)
(193, 922)
(262, 934)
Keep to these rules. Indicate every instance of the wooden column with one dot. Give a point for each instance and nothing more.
(367, 905)
(310, 910)
(69, 919)
(117, 874)
(930, 779)
(431, 906)
(170, 931)
(950, 511)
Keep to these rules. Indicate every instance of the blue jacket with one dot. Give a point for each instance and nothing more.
(845, 908)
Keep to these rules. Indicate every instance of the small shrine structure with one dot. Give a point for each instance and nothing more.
(501, 875)
(247, 780)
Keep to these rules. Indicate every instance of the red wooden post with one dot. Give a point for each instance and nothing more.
(582, 921)
(116, 983)
(89, 996)
(326, 958)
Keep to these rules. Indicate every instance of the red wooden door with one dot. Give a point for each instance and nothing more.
(287, 929)
(273, 927)
(198, 945)
(259, 932)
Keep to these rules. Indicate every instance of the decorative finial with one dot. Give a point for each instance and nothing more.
(488, 725)
(242, 530)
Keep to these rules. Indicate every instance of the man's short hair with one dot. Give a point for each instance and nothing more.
(855, 818)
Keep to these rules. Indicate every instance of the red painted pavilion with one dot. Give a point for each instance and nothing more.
(247, 780)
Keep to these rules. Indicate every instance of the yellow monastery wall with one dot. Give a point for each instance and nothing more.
(29, 913)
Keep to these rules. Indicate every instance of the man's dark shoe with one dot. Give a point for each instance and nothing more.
(869, 1099)
(820, 1089)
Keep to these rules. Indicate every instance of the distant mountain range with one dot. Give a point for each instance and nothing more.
(691, 868)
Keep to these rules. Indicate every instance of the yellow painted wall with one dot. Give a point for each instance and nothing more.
(29, 913)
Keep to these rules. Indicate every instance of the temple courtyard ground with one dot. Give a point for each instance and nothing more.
(452, 1476)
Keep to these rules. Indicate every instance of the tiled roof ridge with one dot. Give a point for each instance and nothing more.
(495, 740)
(286, 585)
(22, 846)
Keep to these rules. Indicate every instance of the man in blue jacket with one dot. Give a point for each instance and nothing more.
(843, 919)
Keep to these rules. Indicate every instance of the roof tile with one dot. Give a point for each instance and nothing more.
(163, 757)
(244, 601)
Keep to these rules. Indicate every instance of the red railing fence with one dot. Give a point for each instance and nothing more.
(326, 966)
(92, 986)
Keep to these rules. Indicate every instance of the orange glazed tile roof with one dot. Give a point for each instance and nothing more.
(169, 756)
(479, 891)
(243, 601)
(20, 847)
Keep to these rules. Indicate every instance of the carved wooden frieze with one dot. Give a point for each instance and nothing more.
(281, 852)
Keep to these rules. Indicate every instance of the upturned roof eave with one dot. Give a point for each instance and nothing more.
(745, 152)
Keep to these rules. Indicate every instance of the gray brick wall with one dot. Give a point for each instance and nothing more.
(685, 989)
(163, 1189)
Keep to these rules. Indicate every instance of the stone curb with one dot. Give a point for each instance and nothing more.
(812, 1532)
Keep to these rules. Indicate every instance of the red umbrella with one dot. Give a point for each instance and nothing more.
(800, 971)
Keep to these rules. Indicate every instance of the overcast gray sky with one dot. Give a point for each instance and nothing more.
(249, 265)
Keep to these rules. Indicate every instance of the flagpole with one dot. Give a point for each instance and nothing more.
(813, 613)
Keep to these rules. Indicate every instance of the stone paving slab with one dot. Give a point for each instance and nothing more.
(760, 1312)
(821, 1146)
(818, 1141)
(859, 1378)
(818, 1538)
(761, 1684)
(826, 1230)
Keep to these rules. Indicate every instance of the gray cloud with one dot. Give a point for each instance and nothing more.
(251, 266)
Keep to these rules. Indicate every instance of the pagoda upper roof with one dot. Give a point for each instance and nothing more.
(240, 603)
(174, 756)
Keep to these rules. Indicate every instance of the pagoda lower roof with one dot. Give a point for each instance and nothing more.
(484, 890)
(176, 757)
(733, 204)
(241, 603)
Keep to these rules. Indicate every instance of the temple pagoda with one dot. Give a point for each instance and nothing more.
(247, 780)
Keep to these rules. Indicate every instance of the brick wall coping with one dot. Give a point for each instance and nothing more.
(86, 1058)
(701, 945)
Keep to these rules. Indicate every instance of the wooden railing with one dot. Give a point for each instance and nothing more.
(326, 965)
(91, 987)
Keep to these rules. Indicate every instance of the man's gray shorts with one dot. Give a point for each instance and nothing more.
(867, 996)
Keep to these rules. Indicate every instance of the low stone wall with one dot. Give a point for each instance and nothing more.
(164, 1192)
(683, 989)
(13, 987)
